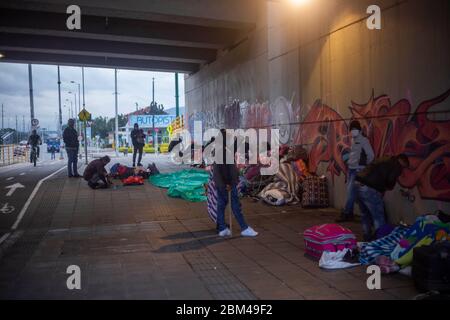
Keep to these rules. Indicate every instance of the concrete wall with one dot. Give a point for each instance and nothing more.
(323, 59)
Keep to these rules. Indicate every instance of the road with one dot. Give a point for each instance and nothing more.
(17, 183)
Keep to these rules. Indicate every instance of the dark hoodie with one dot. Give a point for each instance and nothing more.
(225, 174)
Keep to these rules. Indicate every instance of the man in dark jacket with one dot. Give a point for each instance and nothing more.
(371, 183)
(95, 173)
(34, 140)
(138, 140)
(226, 178)
(72, 144)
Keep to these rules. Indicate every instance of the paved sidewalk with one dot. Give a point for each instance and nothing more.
(137, 243)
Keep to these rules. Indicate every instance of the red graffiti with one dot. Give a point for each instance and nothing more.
(391, 130)
(257, 116)
(327, 135)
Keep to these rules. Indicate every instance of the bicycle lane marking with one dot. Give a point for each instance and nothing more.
(27, 204)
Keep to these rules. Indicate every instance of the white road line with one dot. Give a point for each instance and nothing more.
(33, 194)
(4, 237)
(22, 174)
(27, 204)
(10, 178)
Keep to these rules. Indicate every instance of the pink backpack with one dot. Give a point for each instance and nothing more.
(328, 237)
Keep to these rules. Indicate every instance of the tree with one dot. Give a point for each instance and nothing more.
(101, 126)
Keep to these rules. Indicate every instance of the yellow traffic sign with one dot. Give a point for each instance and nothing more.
(84, 115)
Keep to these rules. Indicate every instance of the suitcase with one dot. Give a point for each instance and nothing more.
(431, 267)
(315, 192)
(328, 237)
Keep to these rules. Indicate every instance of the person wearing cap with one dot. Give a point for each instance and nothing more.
(96, 175)
(361, 154)
(371, 184)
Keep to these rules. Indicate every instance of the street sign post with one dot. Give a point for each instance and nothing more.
(85, 116)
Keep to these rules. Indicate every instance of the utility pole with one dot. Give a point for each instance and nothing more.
(153, 111)
(85, 140)
(59, 103)
(23, 124)
(177, 96)
(30, 81)
(17, 133)
(3, 124)
(117, 115)
(82, 76)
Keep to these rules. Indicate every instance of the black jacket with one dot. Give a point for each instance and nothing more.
(137, 138)
(70, 137)
(381, 175)
(225, 174)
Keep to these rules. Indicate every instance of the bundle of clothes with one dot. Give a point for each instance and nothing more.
(132, 175)
(392, 251)
(292, 184)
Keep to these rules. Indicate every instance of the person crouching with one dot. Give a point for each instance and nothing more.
(96, 175)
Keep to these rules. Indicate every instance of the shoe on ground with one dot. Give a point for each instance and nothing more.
(225, 233)
(70, 175)
(249, 232)
(77, 176)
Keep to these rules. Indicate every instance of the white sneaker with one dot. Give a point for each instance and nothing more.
(225, 233)
(249, 232)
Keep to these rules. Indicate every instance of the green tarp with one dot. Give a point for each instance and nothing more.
(186, 184)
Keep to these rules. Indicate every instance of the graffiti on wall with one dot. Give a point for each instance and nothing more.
(392, 130)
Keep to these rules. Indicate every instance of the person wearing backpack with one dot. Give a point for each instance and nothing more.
(361, 155)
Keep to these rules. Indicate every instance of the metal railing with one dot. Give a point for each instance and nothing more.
(13, 153)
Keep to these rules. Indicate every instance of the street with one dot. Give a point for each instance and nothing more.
(17, 184)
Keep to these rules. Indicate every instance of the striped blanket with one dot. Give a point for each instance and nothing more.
(381, 247)
(285, 183)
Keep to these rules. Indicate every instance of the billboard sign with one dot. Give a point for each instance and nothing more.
(146, 121)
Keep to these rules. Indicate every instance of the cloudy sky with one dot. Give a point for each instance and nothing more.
(133, 86)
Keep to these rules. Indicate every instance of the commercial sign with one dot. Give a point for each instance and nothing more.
(146, 121)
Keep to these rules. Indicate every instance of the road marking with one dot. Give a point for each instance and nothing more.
(4, 237)
(6, 208)
(10, 178)
(22, 174)
(32, 195)
(12, 188)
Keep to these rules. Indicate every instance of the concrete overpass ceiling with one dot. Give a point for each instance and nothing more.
(163, 33)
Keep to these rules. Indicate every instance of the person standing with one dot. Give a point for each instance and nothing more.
(138, 140)
(371, 184)
(361, 155)
(52, 152)
(226, 178)
(72, 144)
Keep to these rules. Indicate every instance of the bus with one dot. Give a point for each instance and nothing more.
(53, 141)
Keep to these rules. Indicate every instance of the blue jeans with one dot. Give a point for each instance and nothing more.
(222, 201)
(352, 192)
(72, 157)
(372, 208)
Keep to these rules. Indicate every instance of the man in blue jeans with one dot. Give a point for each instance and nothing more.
(371, 183)
(72, 144)
(226, 178)
(361, 155)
